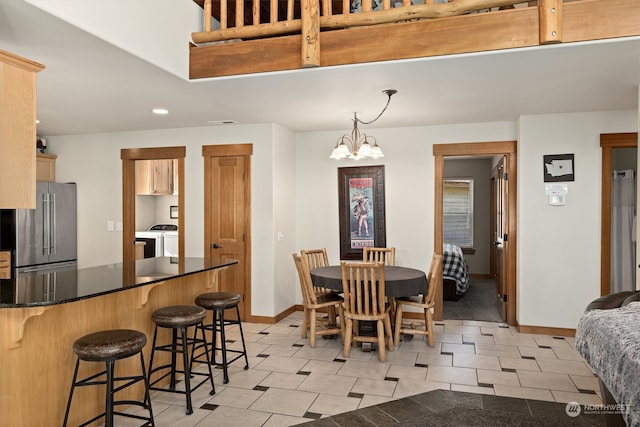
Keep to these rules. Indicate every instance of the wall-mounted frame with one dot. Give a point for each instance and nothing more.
(558, 168)
(361, 210)
(173, 212)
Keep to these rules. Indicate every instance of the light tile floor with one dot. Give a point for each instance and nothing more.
(290, 383)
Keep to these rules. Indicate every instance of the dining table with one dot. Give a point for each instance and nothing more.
(398, 281)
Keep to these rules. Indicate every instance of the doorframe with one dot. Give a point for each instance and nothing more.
(129, 157)
(609, 141)
(245, 150)
(497, 148)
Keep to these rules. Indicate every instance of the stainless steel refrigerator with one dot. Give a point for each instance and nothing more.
(44, 237)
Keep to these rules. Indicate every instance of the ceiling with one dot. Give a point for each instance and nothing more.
(91, 86)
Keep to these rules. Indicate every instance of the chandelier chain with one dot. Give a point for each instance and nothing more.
(389, 93)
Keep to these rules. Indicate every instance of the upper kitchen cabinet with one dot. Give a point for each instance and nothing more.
(156, 177)
(17, 131)
(46, 167)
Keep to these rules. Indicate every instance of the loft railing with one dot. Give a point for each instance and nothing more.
(265, 32)
(309, 17)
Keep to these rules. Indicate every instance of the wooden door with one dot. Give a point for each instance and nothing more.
(227, 216)
(499, 220)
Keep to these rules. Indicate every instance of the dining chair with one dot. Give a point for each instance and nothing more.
(364, 300)
(425, 302)
(387, 256)
(317, 258)
(313, 302)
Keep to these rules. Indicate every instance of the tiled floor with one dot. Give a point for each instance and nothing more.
(290, 383)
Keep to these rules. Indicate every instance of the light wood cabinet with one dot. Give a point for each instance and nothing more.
(156, 177)
(46, 167)
(17, 131)
(5, 265)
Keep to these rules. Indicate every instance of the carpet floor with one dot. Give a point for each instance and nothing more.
(480, 302)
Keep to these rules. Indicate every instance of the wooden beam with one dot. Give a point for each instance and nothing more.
(550, 12)
(597, 19)
(310, 33)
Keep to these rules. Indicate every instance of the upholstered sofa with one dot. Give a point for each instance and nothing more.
(608, 338)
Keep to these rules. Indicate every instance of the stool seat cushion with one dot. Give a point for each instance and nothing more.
(218, 300)
(176, 316)
(109, 344)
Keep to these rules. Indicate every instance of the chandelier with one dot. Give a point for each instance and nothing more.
(360, 147)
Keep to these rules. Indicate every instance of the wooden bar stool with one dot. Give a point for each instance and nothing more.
(107, 347)
(218, 302)
(179, 318)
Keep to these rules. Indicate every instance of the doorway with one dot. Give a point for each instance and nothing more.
(129, 157)
(507, 149)
(227, 216)
(609, 144)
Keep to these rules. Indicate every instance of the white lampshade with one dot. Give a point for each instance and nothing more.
(365, 149)
(340, 151)
(376, 152)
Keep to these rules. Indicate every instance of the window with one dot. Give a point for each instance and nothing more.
(458, 212)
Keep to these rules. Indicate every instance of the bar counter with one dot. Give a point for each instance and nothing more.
(42, 314)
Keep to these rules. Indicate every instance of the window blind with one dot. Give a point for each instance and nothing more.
(458, 212)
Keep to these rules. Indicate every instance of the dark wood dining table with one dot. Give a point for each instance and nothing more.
(398, 281)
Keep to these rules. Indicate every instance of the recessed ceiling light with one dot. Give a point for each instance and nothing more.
(221, 122)
(160, 111)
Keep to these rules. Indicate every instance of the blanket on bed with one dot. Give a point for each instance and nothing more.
(609, 341)
(455, 267)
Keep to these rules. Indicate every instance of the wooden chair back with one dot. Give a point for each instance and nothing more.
(306, 286)
(363, 287)
(434, 279)
(315, 257)
(387, 256)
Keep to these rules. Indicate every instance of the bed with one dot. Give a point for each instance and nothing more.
(455, 272)
(609, 341)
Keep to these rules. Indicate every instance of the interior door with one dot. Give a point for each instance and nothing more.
(500, 236)
(227, 216)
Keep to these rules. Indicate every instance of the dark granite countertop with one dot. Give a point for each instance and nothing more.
(68, 284)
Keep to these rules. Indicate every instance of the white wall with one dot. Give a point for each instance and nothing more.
(559, 247)
(287, 290)
(166, 36)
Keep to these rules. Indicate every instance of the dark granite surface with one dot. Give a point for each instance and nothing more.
(68, 284)
(448, 408)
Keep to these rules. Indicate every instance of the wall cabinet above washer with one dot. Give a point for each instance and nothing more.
(156, 177)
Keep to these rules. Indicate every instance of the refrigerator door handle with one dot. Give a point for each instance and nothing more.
(46, 236)
(53, 226)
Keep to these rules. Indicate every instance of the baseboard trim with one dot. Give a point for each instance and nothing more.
(480, 275)
(274, 319)
(561, 332)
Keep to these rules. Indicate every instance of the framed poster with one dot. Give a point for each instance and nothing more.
(361, 209)
(558, 167)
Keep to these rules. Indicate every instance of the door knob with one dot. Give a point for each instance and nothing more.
(215, 246)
